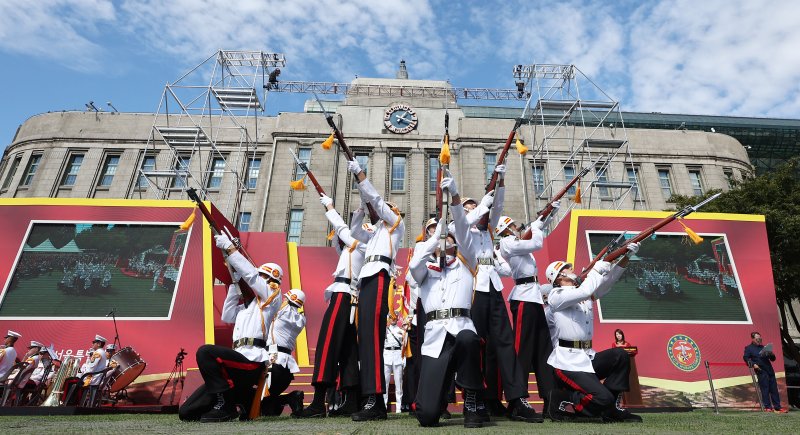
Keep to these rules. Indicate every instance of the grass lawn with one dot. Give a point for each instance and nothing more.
(700, 421)
(40, 297)
(697, 302)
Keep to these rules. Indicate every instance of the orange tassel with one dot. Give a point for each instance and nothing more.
(188, 223)
(298, 184)
(577, 199)
(693, 236)
(328, 142)
(521, 148)
(331, 234)
(444, 155)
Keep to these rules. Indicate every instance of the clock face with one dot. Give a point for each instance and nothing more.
(400, 118)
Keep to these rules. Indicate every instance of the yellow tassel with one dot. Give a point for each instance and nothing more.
(521, 148)
(420, 237)
(299, 184)
(328, 142)
(694, 237)
(188, 223)
(577, 199)
(331, 234)
(444, 155)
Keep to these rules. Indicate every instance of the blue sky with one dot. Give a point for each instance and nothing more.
(710, 57)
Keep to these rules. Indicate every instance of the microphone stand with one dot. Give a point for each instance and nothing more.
(117, 343)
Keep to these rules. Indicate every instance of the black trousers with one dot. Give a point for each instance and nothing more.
(337, 349)
(280, 378)
(591, 397)
(501, 369)
(373, 307)
(533, 345)
(461, 356)
(414, 364)
(224, 371)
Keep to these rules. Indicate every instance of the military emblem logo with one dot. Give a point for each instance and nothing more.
(683, 352)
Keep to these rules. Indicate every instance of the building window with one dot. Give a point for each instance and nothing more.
(433, 169)
(244, 221)
(664, 181)
(148, 164)
(71, 173)
(602, 178)
(295, 225)
(181, 168)
(633, 178)
(109, 169)
(398, 173)
(490, 160)
(304, 154)
(217, 169)
(538, 179)
(569, 174)
(728, 172)
(253, 169)
(697, 183)
(30, 171)
(11, 172)
(363, 161)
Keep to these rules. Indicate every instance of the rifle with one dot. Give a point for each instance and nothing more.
(442, 208)
(308, 172)
(244, 289)
(614, 244)
(622, 250)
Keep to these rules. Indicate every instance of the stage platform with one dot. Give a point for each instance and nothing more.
(79, 410)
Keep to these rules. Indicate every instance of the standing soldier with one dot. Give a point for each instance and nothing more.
(373, 304)
(393, 360)
(337, 349)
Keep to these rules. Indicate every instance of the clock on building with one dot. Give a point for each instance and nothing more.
(400, 118)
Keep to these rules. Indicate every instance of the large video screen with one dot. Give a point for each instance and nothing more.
(85, 270)
(672, 280)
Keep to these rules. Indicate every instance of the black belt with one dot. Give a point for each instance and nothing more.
(526, 280)
(381, 258)
(284, 350)
(257, 342)
(575, 344)
(486, 261)
(391, 348)
(447, 313)
(342, 279)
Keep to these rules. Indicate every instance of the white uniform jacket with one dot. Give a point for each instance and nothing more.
(95, 362)
(519, 255)
(8, 357)
(388, 236)
(255, 319)
(483, 245)
(442, 289)
(572, 313)
(351, 258)
(285, 328)
(394, 338)
(38, 372)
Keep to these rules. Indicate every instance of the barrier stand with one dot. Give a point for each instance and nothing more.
(732, 364)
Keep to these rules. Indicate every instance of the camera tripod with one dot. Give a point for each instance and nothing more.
(177, 374)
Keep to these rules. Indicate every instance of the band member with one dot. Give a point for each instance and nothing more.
(111, 349)
(230, 374)
(451, 343)
(337, 349)
(8, 355)
(46, 357)
(96, 361)
(283, 333)
(393, 360)
(372, 300)
(577, 366)
(31, 359)
(531, 335)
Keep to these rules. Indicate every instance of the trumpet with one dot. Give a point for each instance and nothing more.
(69, 368)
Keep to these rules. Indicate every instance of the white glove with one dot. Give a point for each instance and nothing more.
(236, 277)
(633, 248)
(501, 170)
(556, 205)
(602, 267)
(488, 199)
(223, 241)
(354, 167)
(538, 224)
(450, 184)
(325, 200)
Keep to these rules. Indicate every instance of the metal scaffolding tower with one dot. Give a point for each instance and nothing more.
(208, 120)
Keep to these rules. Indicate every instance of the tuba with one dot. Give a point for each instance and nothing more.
(69, 368)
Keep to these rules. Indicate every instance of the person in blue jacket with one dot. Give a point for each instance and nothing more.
(756, 356)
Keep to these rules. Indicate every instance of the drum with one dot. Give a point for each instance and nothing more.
(129, 366)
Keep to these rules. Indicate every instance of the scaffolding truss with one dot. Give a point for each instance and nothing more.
(208, 120)
(566, 123)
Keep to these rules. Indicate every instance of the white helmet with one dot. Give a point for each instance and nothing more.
(271, 270)
(431, 223)
(554, 269)
(296, 297)
(504, 222)
(464, 201)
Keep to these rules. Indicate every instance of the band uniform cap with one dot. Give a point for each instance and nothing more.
(35, 344)
(14, 334)
(502, 224)
(271, 270)
(99, 338)
(554, 269)
(111, 346)
(296, 296)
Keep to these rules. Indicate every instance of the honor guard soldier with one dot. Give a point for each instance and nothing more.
(531, 335)
(577, 366)
(393, 360)
(337, 348)
(230, 374)
(451, 343)
(286, 326)
(373, 304)
(8, 355)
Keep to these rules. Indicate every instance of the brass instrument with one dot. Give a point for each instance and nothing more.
(69, 368)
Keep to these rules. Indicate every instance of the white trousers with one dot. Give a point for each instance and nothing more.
(397, 369)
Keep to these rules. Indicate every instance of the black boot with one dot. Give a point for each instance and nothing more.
(495, 407)
(521, 410)
(557, 404)
(295, 401)
(620, 415)
(374, 409)
(349, 404)
(471, 417)
(221, 411)
(317, 406)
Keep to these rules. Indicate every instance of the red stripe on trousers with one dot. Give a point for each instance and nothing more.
(587, 396)
(238, 365)
(518, 326)
(327, 342)
(376, 330)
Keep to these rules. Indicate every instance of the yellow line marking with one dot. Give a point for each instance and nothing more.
(294, 276)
